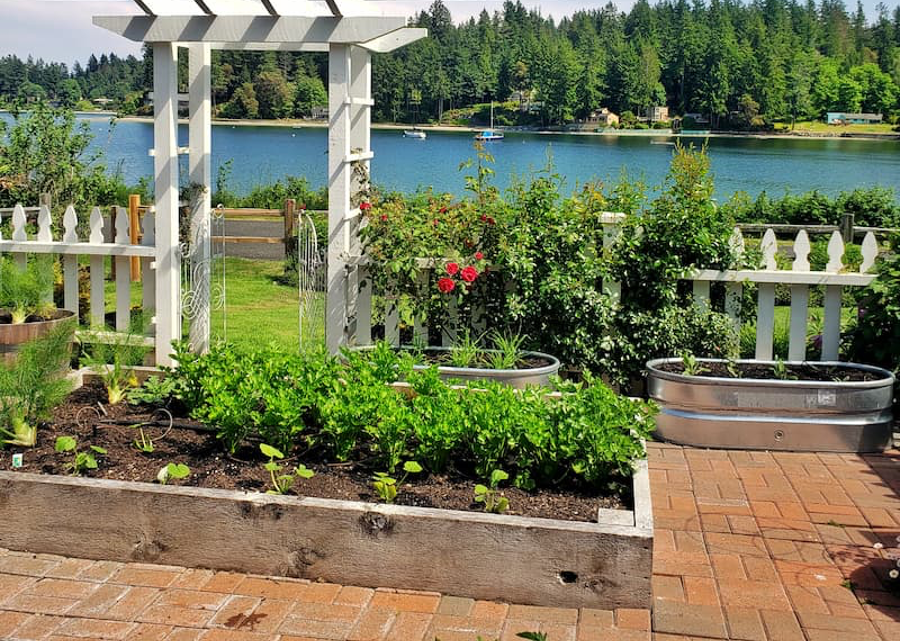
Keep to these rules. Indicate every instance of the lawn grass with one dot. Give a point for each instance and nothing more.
(819, 127)
(258, 310)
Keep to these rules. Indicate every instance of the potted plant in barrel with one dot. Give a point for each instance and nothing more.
(27, 311)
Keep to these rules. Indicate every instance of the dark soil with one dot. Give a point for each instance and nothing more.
(802, 372)
(92, 422)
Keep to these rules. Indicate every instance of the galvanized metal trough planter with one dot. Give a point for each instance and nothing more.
(773, 414)
(515, 377)
(604, 564)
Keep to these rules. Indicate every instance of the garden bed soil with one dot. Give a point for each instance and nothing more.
(92, 422)
(793, 372)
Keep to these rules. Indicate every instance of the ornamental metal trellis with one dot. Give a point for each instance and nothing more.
(350, 31)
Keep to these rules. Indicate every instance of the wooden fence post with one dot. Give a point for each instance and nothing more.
(290, 242)
(134, 228)
(848, 222)
(45, 199)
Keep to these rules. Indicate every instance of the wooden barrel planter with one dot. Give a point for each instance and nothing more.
(848, 409)
(13, 335)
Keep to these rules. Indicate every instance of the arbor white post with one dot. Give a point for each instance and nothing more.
(359, 283)
(165, 162)
(200, 162)
(339, 178)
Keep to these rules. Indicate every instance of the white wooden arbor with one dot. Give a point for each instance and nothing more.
(349, 30)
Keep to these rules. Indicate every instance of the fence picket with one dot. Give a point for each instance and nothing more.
(420, 321)
(835, 253)
(70, 261)
(98, 294)
(18, 234)
(831, 330)
(869, 253)
(769, 248)
(364, 307)
(123, 272)
(391, 319)
(148, 278)
(44, 234)
(801, 252)
(765, 321)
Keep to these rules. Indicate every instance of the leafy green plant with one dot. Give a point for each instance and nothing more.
(875, 334)
(508, 351)
(490, 496)
(172, 471)
(466, 352)
(782, 371)
(282, 483)
(113, 358)
(27, 292)
(692, 366)
(386, 486)
(33, 384)
(532, 635)
(82, 460)
(143, 443)
(731, 366)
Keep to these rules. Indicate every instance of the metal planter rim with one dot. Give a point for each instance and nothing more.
(550, 369)
(886, 376)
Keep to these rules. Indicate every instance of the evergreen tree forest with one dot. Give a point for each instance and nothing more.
(737, 63)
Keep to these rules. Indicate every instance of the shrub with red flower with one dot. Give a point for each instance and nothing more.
(479, 256)
(365, 206)
(446, 285)
(469, 274)
(452, 268)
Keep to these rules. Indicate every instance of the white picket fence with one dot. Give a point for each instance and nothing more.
(799, 278)
(97, 248)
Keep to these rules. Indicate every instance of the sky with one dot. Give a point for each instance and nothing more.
(61, 30)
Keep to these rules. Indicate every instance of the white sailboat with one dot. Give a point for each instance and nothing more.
(415, 132)
(489, 135)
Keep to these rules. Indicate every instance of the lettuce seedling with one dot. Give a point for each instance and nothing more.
(490, 496)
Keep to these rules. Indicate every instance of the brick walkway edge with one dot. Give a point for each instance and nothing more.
(748, 546)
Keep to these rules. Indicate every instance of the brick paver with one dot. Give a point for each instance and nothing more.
(748, 545)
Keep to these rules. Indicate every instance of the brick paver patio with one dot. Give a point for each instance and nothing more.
(748, 546)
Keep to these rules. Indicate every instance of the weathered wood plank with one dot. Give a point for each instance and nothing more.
(765, 321)
(491, 557)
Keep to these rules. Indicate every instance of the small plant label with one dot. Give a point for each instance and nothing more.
(18, 460)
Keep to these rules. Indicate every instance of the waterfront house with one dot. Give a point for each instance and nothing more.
(658, 113)
(846, 118)
(602, 118)
(319, 112)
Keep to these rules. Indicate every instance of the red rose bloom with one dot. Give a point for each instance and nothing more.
(443, 210)
(484, 218)
(365, 206)
(469, 274)
(452, 268)
(446, 285)
(478, 256)
(435, 221)
(384, 217)
(490, 220)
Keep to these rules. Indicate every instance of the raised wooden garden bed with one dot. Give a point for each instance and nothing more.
(603, 564)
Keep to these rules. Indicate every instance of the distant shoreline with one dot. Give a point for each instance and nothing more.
(661, 133)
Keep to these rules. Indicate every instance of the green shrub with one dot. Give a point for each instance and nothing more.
(875, 336)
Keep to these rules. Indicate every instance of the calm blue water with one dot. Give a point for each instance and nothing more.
(262, 154)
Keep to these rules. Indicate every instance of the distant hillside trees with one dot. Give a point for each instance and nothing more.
(793, 59)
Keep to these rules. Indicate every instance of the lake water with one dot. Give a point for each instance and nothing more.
(263, 154)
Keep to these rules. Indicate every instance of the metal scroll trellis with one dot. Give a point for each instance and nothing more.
(311, 277)
(203, 278)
